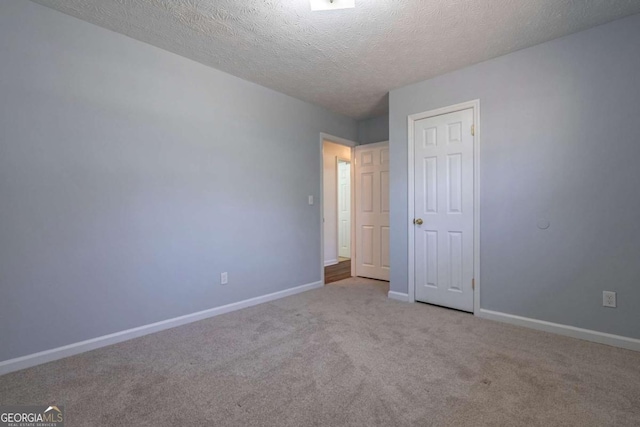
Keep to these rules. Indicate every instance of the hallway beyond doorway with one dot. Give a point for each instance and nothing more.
(339, 271)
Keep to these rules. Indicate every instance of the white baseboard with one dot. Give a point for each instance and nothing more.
(398, 296)
(557, 328)
(330, 262)
(30, 360)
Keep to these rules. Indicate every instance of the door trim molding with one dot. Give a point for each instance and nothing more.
(411, 119)
(351, 144)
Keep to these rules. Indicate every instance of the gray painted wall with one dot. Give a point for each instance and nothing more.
(559, 142)
(131, 177)
(373, 130)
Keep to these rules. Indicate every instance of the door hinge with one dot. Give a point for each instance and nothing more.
(473, 130)
(473, 284)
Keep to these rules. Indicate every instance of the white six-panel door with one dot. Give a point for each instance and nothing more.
(372, 211)
(344, 208)
(444, 210)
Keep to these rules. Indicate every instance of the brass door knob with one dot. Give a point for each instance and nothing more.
(418, 221)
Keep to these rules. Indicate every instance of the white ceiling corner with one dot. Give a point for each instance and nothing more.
(345, 60)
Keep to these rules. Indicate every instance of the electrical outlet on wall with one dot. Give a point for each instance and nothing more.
(609, 299)
(224, 278)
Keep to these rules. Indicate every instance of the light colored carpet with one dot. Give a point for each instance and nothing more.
(341, 355)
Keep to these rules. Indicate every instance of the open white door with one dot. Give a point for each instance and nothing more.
(444, 209)
(372, 211)
(344, 208)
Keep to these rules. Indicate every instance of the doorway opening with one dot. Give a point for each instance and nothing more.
(337, 201)
(355, 209)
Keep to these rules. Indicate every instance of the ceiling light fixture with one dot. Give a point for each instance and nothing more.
(332, 4)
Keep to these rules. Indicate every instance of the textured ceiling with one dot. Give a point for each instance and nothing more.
(345, 60)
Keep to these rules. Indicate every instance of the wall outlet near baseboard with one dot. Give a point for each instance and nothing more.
(609, 299)
(224, 278)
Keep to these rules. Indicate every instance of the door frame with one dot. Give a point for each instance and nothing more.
(351, 144)
(411, 119)
(338, 160)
